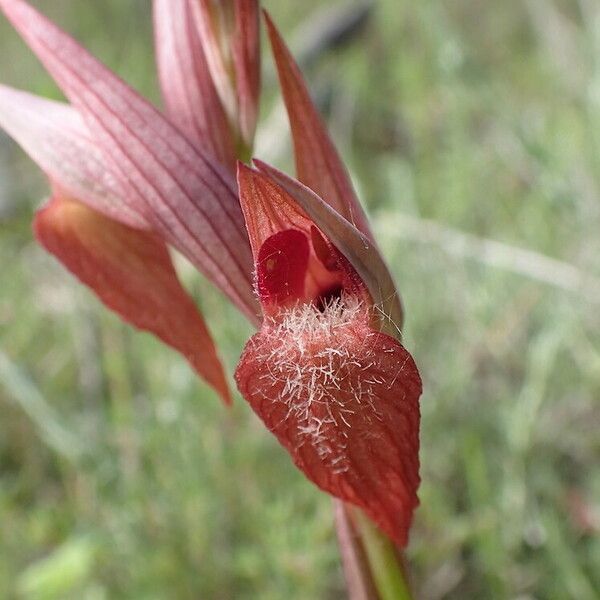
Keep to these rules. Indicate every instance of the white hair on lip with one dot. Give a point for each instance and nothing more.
(312, 365)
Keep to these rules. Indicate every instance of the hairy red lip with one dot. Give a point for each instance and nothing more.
(343, 400)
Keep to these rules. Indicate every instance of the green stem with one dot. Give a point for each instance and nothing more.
(243, 151)
(384, 560)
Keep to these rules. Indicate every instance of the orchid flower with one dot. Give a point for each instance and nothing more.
(340, 395)
(326, 371)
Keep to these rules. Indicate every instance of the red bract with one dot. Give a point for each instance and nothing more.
(132, 273)
(114, 153)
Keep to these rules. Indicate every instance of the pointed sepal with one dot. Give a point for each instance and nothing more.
(132, 273)
(55, 136)
(318, 164)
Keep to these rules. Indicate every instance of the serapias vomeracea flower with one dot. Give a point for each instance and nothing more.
(340, 395)
(326, 372)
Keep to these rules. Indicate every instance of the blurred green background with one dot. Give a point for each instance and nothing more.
(472, 130)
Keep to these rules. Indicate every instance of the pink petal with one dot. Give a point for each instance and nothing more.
(189, 200)
(132, 273)
(190, 97)
(214, 20)
(57, 139)
(318, 165)
(343, 400)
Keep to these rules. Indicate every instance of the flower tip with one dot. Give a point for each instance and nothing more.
(260, 164)
(267, 18)
(278, 46)
(225, 395)
(274, 34)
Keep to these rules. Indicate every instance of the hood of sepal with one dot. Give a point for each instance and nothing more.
(362, 254)
(294, 262)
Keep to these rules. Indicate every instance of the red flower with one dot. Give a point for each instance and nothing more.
(340, 395)
(326, 372)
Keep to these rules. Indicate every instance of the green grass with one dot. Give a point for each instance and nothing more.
(121, 476)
